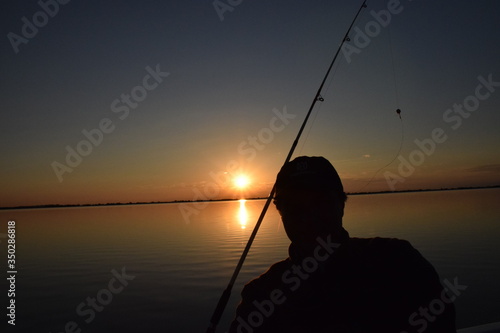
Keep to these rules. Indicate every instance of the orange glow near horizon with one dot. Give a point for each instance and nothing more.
(90, 187)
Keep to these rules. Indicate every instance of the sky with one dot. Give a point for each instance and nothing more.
(135, 101)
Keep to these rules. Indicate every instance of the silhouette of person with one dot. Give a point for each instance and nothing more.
(333, 283)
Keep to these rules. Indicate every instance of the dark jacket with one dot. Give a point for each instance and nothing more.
(363, 285)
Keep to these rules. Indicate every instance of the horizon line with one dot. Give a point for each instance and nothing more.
(231, 199)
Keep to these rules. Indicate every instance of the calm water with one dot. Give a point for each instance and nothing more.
(65, 257)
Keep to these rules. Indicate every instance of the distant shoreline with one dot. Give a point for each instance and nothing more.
(227, 199)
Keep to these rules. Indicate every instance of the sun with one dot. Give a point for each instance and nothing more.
(241, 181)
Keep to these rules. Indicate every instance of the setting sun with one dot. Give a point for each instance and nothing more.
(241, 181)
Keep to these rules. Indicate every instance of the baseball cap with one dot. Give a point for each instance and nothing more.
(309, 173)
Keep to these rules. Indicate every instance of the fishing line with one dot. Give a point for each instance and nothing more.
(330, 81)
(393, 71)
(223, 300)
(309, 129)
(395, 156)
(398, 110)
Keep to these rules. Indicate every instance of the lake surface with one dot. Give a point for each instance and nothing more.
(172, 271)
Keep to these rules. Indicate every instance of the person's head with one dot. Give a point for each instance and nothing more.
(310, 199)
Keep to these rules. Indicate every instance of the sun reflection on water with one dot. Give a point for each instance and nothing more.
(243, 214)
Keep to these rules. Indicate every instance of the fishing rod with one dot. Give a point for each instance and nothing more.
(221, 305)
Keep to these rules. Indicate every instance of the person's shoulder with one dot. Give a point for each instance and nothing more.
(389, 250)
(381, 244)
(269, 279)
(392, 253)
